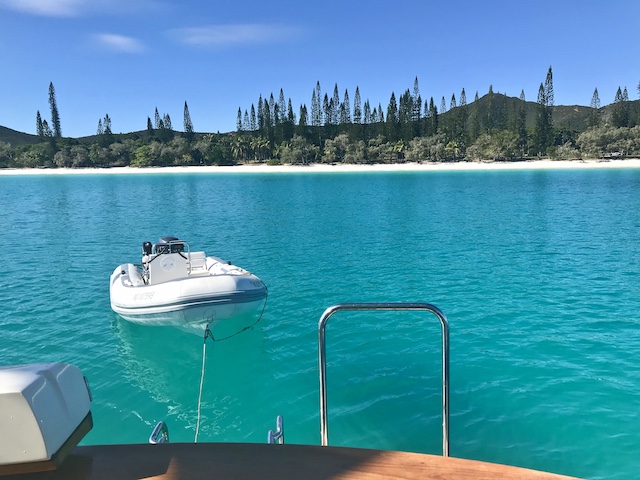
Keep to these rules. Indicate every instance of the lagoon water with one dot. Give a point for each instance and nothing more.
(537, 271)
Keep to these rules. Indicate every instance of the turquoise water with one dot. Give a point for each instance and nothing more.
(537, 272)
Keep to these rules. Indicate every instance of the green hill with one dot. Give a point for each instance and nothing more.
(503, 111)
(16, 138)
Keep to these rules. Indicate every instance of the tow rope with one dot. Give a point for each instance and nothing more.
(209, 334)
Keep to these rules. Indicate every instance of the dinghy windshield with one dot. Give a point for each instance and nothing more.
(168, 245)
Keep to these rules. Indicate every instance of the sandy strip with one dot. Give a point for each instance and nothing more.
(323, 168)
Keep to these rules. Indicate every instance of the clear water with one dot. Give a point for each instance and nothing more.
(537, 272)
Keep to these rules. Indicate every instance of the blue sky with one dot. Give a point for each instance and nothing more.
(125, 58)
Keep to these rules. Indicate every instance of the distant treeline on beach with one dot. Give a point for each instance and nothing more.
(494, 127)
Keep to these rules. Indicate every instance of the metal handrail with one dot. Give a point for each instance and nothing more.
(160, 434)
(277, 436)
(322, 359)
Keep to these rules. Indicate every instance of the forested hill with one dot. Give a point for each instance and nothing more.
(573, 118)
(492, 128)
(16, 138)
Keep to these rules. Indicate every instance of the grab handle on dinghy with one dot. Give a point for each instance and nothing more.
(322, 360)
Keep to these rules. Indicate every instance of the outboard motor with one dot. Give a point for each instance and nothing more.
(147, 248)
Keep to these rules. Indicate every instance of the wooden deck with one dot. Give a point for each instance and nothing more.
(239, 461)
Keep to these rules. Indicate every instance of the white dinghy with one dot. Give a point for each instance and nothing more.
(174, 286)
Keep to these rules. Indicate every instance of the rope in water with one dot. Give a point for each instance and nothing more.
(208, 334)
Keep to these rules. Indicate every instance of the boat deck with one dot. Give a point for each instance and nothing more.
(239, 461)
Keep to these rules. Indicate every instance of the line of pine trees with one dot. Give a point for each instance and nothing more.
(405, 117)
(335, 129)
(409, 117)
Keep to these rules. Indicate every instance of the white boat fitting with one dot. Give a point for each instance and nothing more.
(174, 286)
(45, 412)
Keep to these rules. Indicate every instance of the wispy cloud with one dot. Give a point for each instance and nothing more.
(72, 8)
(53, 8)
(221, 36)
(119, 43)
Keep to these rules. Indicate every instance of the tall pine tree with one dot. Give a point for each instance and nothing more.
(282, 108)
(543, 122)
(416, 117)
(107, 125)
(620, 112)
(594, 115)
(252, 119)
(443, 106)
(367, 113)
(476, 125)
(55, 116)
(544, 115)
(188, 125)
(335, 111)
(304, 117)
(490, 121)
(417, 102)
(432, 118)
(357, 109)
(405, 116)
(39, 126)
(260, 114)
(239, 120)
(521, 125)
(392, 119)
(345, 109)
(316, 107)
(548, 89)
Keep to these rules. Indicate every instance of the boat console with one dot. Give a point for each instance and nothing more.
(169, 259)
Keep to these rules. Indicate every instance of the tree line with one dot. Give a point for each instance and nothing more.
(335, 130)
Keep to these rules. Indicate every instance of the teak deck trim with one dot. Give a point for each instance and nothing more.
(240, 461)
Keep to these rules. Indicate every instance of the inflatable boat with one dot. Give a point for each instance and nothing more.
(174, 286)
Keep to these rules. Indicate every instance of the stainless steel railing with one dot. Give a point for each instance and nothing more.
(322, 360)
(277, 436)
(160, 434)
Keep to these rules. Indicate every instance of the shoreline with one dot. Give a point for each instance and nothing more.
(341, 168)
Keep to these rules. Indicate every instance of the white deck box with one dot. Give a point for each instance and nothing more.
(41, 405)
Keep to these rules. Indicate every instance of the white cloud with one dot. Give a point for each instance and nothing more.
(119, 43)
(53, 8)
(71, 8)
(219, 36)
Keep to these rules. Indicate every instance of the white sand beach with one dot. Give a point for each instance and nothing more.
(343, 168)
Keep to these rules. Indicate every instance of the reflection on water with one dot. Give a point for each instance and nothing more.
(157, 358)
(168, 363)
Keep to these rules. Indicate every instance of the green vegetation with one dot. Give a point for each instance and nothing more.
(494, 127)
